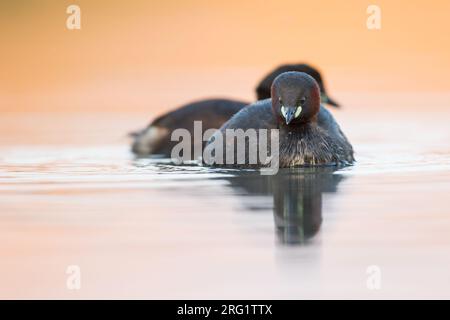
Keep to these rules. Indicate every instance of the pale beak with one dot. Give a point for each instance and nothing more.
(289, 113)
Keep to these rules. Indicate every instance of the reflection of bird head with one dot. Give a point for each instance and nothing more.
(297, 198)
(298, 202)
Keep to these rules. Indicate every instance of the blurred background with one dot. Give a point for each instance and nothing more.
(72, 193)
(150, 56)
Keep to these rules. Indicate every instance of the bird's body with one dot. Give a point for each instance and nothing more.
(313, 138)
(213, 113)
(156, 138)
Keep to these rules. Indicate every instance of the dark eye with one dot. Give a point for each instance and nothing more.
(302, 100)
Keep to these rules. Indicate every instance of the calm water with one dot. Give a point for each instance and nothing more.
(72, 194)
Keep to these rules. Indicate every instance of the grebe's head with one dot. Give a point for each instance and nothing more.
(264, 87)
(295, 97)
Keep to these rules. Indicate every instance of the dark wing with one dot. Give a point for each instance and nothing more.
(327, 122)
(155, 138)
(255, 116)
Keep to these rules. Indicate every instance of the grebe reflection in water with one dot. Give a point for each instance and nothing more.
(297, 198)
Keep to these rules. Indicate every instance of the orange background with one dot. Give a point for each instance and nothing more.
(153, 55)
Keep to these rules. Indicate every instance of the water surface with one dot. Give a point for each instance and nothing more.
(71, 193)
